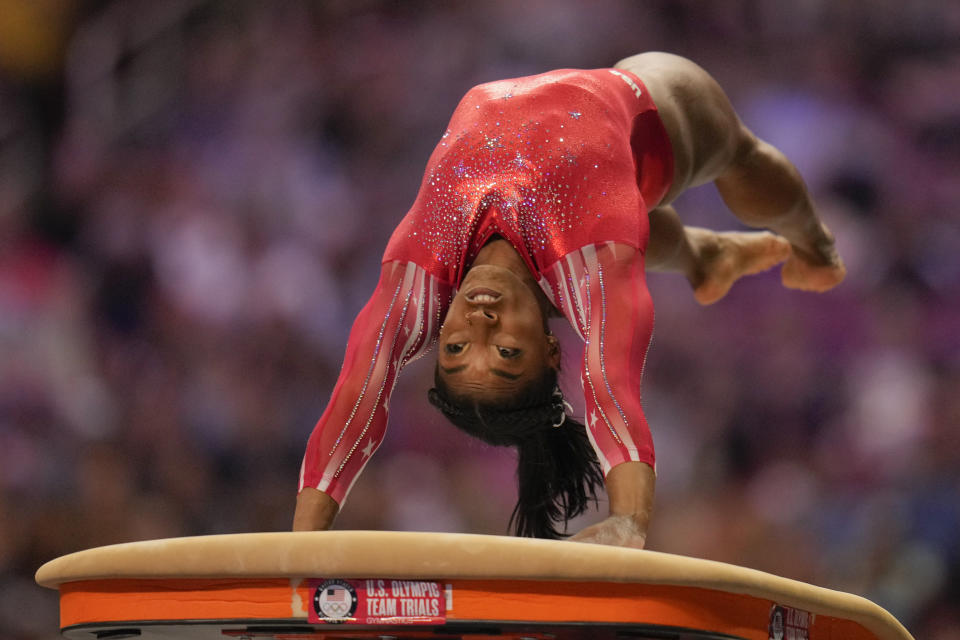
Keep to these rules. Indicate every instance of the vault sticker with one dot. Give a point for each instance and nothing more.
(377, 601)
(334, 601)
(787, 623)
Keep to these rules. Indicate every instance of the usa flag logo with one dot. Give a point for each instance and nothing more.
(335, 600)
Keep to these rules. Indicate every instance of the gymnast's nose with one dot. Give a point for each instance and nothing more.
(482, 315)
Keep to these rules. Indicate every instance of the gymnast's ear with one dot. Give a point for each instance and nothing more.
(553, 352)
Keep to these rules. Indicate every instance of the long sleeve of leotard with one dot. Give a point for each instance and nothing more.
(398, 324)
(601, 289)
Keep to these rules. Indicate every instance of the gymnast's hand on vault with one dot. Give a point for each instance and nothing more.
(618, 531)
(630, 489)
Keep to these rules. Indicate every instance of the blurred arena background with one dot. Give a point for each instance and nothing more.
(194, 198)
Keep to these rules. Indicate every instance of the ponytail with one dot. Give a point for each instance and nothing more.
(558, 473)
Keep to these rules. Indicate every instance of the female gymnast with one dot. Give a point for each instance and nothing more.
(550, 195)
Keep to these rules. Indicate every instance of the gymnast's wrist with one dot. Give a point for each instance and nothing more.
(635, 523)
(630, 489)
(315, 511)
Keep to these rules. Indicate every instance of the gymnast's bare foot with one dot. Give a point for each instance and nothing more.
(723, 258)
(817, 268)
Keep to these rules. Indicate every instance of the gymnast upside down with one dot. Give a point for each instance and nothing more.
(550, 195)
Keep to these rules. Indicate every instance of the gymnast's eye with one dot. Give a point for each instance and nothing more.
(508, 353)
(453, 348)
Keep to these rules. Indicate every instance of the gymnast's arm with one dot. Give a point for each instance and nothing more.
(630, 491)
(315, 510)
(602, 290)
(397, 325)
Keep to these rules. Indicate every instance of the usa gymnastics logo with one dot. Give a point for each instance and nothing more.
(787, 623)
(633, 85)
(335, 601)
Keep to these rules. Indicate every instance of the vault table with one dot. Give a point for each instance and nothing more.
(366, 584)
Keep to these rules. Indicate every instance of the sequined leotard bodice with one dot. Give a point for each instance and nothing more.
(563, 165)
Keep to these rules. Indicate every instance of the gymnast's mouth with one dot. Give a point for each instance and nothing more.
(482, 295)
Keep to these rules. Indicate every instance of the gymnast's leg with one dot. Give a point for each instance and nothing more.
(756, 181)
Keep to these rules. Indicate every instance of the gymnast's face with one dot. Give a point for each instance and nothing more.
(494, 340)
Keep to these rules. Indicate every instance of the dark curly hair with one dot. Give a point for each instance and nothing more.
(558, 473)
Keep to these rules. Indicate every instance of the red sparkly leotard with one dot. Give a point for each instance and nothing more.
(563, 165)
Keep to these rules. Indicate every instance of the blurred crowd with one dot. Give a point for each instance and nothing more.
(194, 198)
